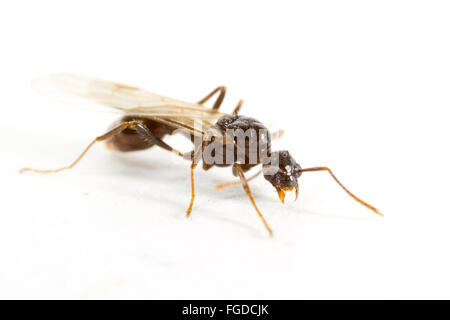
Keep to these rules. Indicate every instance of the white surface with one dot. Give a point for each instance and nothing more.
(362, 87)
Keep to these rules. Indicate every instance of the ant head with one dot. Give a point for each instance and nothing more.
(282, 171)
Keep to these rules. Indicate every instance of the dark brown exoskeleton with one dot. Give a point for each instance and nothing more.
(232, 140)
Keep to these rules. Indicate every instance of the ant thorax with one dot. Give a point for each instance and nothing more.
(236, 139)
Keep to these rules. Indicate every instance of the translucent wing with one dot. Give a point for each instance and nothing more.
(86, 91)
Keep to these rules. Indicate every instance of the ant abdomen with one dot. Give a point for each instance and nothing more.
(130, 140)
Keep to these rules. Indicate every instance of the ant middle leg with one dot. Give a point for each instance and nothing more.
(196, 155)
(140, 128)
(191, 203)
(219, 99)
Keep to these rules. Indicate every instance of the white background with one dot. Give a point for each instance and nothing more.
(359, 86)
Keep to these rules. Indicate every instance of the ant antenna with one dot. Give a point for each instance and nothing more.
(342, 186)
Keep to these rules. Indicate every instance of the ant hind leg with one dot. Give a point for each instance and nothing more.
(136, 125)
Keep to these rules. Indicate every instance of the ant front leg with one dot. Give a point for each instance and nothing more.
(246, 187)
(219, 99)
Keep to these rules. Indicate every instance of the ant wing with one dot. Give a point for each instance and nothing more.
(90, 92)
(83, 90)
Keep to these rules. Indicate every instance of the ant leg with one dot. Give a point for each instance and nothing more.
(219, 99)
(196, 156)
(238, 107)
(235, 183)
(277, 134)
(136, 125)
(148, 135)
(189, 210)
(250, 196)
(107, 135)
